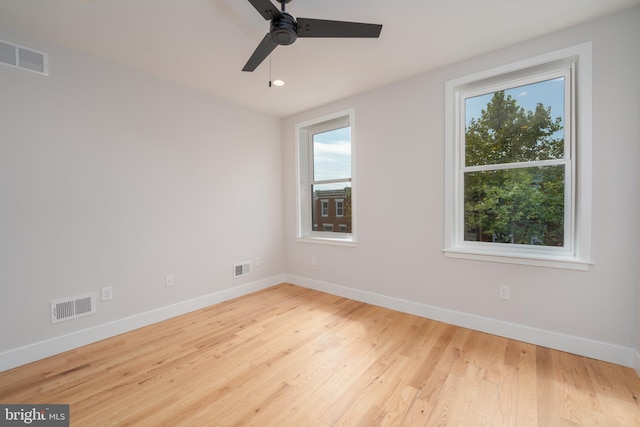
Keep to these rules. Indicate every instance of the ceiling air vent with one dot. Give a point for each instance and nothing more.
(241, 269)
(72, 308)
(24, 58)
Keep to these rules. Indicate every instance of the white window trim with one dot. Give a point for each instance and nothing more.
(579, 255)
(305, 233)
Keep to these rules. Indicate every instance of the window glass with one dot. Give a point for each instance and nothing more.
(506, 130)
(332, 154)
(325, 206)
(521, 124)
(521, 206)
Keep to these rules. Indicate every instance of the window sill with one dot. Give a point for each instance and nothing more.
(537, 260)
(328, 241)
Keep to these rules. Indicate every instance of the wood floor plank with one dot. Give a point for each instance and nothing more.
(418, 413)
(485, 403)
(522, 357)
(444, 411)
(289, 356)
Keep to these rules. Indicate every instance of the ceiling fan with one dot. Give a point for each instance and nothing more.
(285, 30)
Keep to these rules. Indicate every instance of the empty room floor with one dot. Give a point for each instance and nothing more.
(290, 356)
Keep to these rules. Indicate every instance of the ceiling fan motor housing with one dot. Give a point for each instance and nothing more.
(284, 31)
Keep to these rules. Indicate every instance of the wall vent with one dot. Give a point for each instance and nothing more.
(24, 58)
(241, 269)
(72, 308)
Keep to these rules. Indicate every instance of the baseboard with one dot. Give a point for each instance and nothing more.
(577, 345)
(571, 344)
(30, 353)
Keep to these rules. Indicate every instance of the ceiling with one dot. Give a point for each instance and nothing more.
(203, 44)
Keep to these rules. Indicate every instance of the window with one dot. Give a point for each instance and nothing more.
(324, 206)
(518, 162)
(326, 188)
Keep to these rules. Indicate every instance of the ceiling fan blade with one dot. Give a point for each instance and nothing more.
(263, 50)
(325, 28)
(266, 9)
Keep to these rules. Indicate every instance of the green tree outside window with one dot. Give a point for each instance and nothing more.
(510, 200)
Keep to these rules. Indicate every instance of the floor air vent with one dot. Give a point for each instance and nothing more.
(72, 308)
(242, 269)
(24, 58)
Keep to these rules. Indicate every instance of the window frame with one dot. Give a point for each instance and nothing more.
(304, 161)
(574, 62)
(324, 208)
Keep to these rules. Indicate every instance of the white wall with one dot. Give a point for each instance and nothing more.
(636, 363)
(400, 179)
(109, 177)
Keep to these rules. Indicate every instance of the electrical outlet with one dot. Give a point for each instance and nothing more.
(314, 260)
(168, 280)
(503, 292)
(258, 261)
(106, 293)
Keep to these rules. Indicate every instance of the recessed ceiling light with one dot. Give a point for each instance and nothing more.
(278, 83)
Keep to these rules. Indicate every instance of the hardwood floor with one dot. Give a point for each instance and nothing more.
(289, 356)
